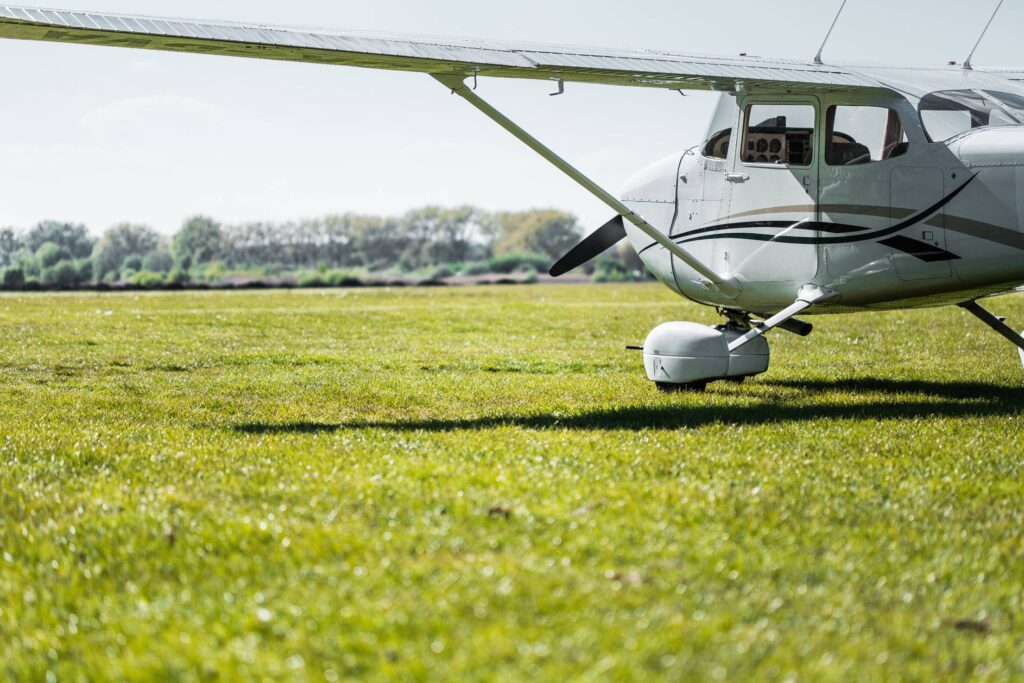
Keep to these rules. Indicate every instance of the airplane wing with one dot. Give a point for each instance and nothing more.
(1015, 75)
(436, 56)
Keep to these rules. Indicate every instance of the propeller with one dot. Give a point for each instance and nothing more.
(593, 245)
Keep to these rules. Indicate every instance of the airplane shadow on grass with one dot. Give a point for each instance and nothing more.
(945, 399)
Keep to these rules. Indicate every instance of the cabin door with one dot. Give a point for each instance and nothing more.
(862, 180)
(770, 232)
(919, 251)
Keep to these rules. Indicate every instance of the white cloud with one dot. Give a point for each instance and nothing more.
(147, 110)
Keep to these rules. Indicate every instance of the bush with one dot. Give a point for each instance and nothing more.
(211, 272)
(476, 268)
(14, 278)
(147, 279)
(344, 278)
(511, 263)
(178, 276)
(312, 279)
(330, 278)
(612, 270)
(64, 275)
(441, 273)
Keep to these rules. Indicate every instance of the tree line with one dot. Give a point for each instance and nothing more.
(431, 243)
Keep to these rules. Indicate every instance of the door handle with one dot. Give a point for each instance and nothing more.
(737, 177)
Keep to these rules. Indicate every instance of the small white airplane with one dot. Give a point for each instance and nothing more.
(819, 188)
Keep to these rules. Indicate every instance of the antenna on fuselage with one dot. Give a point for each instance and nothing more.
(817, 57)
(967, 63)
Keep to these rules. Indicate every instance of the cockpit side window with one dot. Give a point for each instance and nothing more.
(949, 113)
(861, 134)
(718, 146)
(781, 134)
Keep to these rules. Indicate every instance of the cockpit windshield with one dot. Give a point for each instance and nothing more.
(949, 113)
(716, 142)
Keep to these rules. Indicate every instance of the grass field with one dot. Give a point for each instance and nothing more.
(480, 483)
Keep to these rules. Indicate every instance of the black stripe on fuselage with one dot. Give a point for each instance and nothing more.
(818, 226)
(922, 250)
(813, 226)
(862, 235)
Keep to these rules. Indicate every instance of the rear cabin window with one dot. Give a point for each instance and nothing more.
(949, 113)
(1012, 102)
(861, 135)
(781, 134)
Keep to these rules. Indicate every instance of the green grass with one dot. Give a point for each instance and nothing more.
(481, 484)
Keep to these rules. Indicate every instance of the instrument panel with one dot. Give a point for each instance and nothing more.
(792, 148)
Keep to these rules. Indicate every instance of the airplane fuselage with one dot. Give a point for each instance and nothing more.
(913, 222)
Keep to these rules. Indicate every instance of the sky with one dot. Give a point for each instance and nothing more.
(105, 135)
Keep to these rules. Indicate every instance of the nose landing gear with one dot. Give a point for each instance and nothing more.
(690, 354)
(683, 356)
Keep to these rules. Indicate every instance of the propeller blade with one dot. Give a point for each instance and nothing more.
(593, 245)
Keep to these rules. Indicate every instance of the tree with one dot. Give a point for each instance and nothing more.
(131, 265)
(72, 236)
(26, 261)
(377, 242)
(337, 231)
(545, 232)
(200, 240)
(49, 254)
(120, 242)
(159, 261)
(10, 243)
(63, 275)
(441, 236)
(147, 279)
(14, 278)
(84, 266)
(631, 260)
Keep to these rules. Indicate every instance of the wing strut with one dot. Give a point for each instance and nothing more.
(456, 83)
(809, 295)
(996, 323)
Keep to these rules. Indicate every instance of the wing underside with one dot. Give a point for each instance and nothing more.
(428, 55)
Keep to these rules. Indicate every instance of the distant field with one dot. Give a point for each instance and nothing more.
(481, 483)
